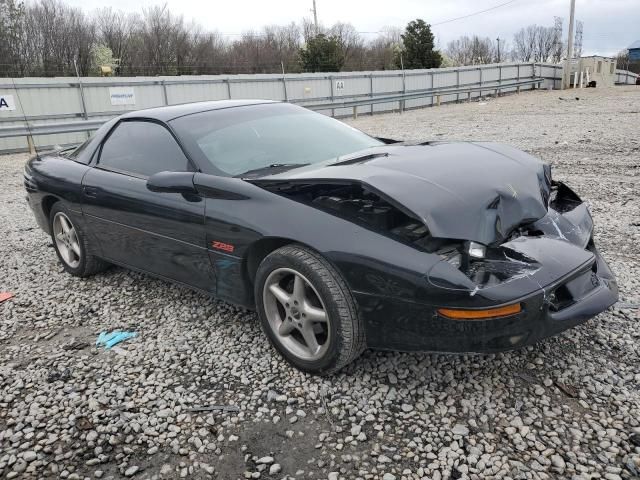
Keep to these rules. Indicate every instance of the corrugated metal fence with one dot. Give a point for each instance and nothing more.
(62, 99)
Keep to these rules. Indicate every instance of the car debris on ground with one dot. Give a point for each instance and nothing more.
(4, 296)
(111, 339)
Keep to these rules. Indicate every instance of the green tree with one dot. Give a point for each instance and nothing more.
(418, 48)
(322, 54)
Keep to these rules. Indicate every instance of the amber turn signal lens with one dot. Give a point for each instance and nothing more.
(480, 314)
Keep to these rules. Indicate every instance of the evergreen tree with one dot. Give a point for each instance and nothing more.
(322, 54)
(418, 48)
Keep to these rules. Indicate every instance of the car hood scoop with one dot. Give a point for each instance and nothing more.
(460, 190)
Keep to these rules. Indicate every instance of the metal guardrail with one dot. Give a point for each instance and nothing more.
(33, 129)
(626, 75)
(50, 128)
(432, 92)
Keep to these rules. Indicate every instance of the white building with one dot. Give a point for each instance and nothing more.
(600, 69)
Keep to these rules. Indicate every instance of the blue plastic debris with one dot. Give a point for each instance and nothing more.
(114, 338)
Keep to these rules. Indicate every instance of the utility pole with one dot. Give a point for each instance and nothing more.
(498, 40)
(315, 16)
(567, 64)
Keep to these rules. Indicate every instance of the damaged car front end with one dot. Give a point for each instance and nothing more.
(508, 256)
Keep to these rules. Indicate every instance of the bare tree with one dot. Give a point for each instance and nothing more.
(537, 43)
(115, 30)
(524, 42)
(48, 37)
(545, 44)
(383, 50)
(351, 43)
(471, 51)
(55, 38)
(11, 25)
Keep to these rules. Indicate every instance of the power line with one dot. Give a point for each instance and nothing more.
(231, 34)
(474, 13)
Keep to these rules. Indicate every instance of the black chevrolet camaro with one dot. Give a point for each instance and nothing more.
(340, 241)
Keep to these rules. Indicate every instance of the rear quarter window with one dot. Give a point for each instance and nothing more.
(143, 148)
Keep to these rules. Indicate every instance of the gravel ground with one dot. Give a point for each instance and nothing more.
(568, 407)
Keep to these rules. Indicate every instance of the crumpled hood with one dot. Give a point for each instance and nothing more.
(460, 190)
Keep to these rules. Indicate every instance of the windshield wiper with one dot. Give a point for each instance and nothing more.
(273, 166)
(360, 158)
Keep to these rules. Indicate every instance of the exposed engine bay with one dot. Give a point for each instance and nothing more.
(358, 204)
(485, 266)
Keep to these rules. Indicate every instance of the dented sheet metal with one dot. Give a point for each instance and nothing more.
(461, 190)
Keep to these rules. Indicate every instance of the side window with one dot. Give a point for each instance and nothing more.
(143, 148)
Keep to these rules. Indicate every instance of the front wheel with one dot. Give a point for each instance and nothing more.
(307, 310)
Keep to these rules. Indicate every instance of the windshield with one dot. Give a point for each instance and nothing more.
(241, 139)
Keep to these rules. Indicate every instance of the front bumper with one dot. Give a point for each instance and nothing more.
(396, 324)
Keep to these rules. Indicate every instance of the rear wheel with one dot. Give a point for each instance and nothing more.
(307, 310)
(72, 245)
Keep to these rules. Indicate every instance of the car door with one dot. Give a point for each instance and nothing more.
(160, 233)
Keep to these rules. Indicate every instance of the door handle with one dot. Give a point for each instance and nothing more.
(91, 192)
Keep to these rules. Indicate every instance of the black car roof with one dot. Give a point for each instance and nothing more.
(170, 112)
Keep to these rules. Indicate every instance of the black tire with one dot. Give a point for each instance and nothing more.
(88, 263)
(346, 337)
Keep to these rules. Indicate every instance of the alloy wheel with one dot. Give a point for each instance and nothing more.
(66, 238)
(296, 314)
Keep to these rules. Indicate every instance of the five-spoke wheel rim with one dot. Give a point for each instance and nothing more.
(66, 240)
(296, 314)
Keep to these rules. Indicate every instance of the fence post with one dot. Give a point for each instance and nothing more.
(164, 92)
(458, 85)
(84, 106)
(31, 144)
(481, 70)
(499, 80)
(371, 90)
(404, 85)
(284, 83)
(226, 80)
(331, 83)
(81, 90)
(432, 85)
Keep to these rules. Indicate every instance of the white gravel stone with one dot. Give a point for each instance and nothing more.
(29, 456)
(460, 429)
(131, 471)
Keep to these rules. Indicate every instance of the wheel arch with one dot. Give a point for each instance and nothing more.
(47, 203)
(257, 252)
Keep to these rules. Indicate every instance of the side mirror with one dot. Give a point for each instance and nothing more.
(172, 182)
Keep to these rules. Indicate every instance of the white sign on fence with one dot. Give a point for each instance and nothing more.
(122, 96)
(6, 102)
(339, 84)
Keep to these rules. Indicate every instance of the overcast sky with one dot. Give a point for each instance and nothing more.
(609, 25)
